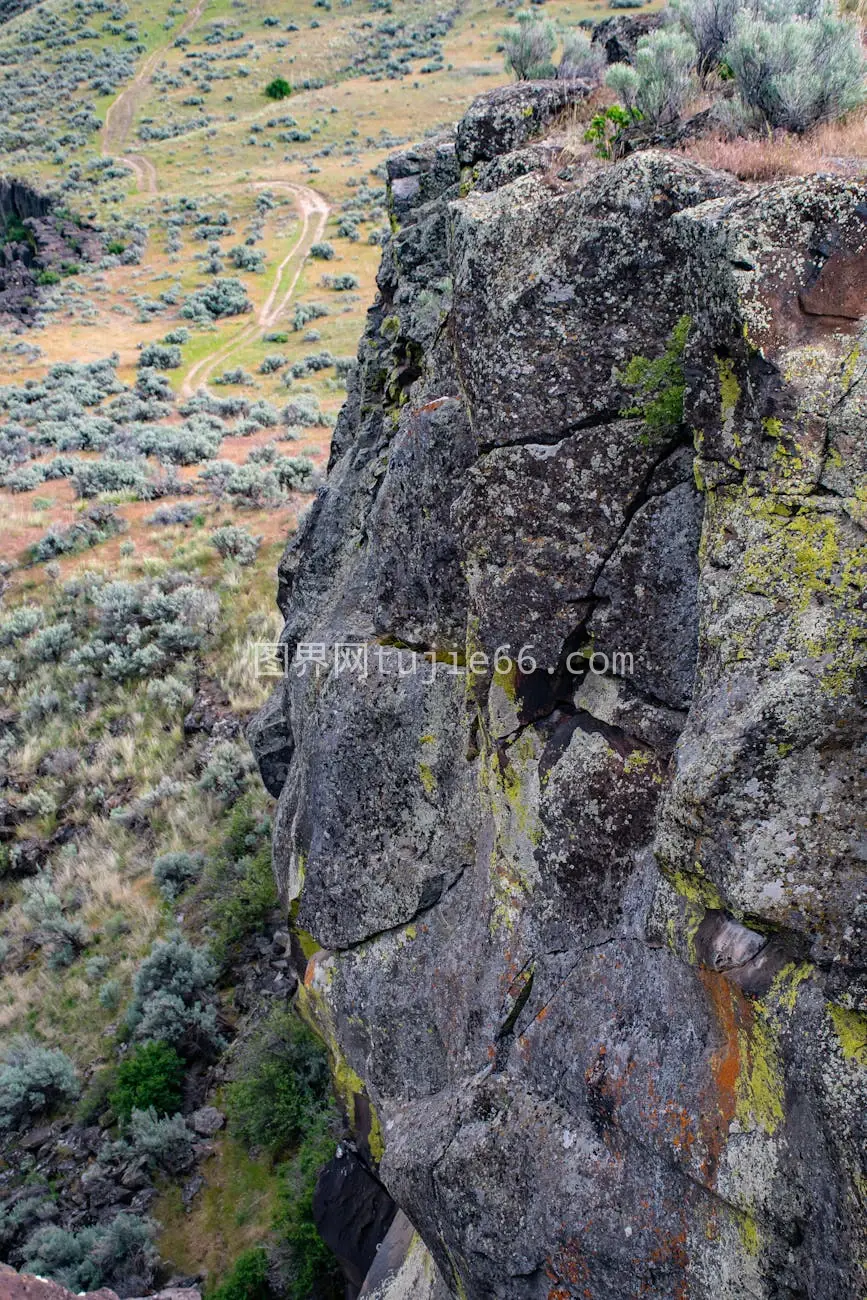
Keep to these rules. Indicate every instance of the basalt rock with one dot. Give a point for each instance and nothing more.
(24, 1286)
(620, 34)
(506, 118)
(572, 806)
(36, 238)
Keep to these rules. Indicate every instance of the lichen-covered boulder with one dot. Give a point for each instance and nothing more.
(591, 933)
(619, 35)
(506, 118)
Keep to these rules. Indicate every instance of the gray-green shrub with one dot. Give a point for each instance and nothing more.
(165, 1141)
(224, 297)
(528, 48)
(175, 872)
(660, 81)
(581, 60)
(33, 1079)
(160, 356)
(796, 72)
(173, 993)
(235, 543)
(120, 1254)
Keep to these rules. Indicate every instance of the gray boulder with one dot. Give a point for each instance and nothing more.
(502, 120)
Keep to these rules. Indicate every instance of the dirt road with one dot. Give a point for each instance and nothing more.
(313, 211)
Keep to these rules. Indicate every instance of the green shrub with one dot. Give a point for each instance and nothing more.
(282, 1087)
(151, 1076)
(247, 1279)
(658, 386)
(310, 1267)
(245, 908)
(279, 88)
(322, 250)
(606, 125)
(33, 1079)
(528, 48)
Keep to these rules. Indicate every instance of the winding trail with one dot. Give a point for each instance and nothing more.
(314, 213)
(312, 208)
(121, 113)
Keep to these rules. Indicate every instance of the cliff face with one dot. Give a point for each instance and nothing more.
(590, 934)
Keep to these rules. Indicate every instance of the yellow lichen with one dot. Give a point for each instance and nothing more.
(783, 992)
(749, 1233)
(428, 779)
(760, 1082)
(851, 1030)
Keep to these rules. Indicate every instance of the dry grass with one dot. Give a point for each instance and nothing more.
(838, 147)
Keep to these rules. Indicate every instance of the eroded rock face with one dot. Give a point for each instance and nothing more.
(591, 938)
(34, 238)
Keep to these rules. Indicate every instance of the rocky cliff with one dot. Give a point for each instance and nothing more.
(590, 950)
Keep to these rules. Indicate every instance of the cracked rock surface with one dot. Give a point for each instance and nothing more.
(591, 933)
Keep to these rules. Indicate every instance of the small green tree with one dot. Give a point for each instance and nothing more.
(151, 1076)
(247, 1279)
(279, 88)
(657, 386)
(606, 126)
(528, 48)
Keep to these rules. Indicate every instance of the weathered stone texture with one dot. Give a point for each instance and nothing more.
(593, 941)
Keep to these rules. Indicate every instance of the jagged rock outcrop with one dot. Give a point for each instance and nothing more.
(24, 1286)
(36, 238)
(592, 942)
(619, 35)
